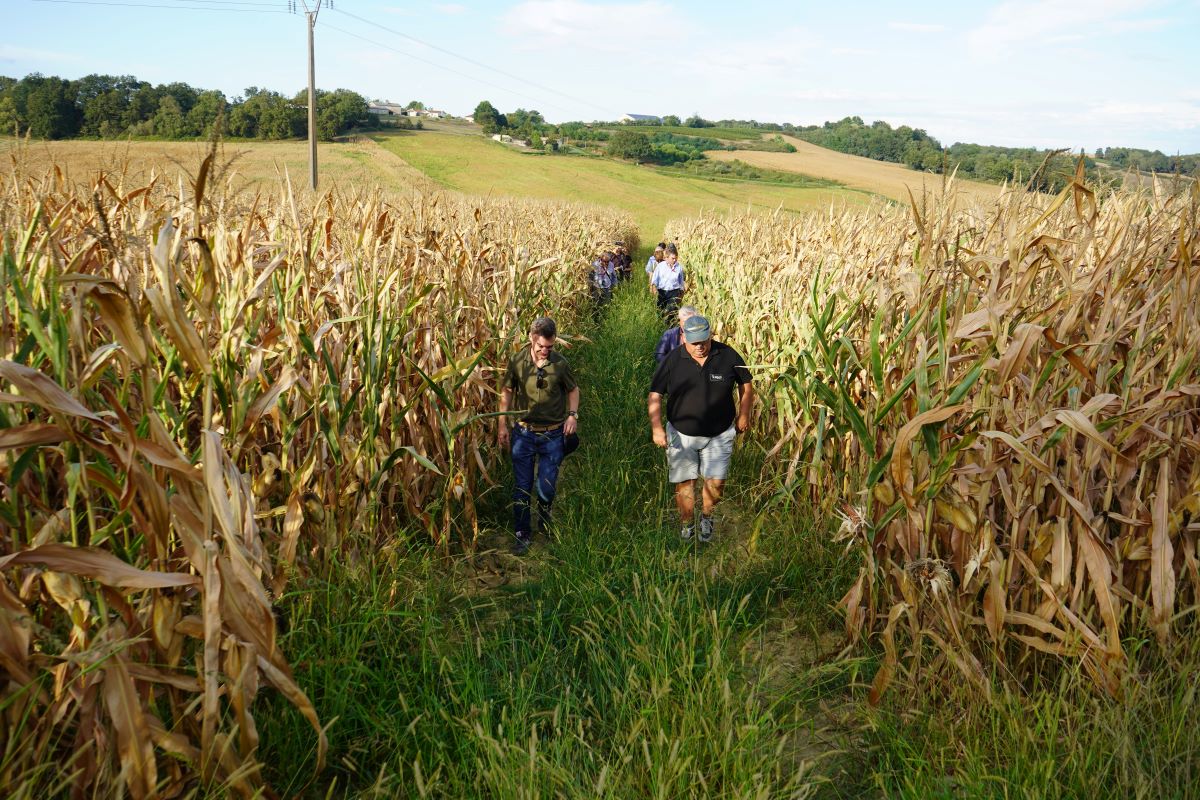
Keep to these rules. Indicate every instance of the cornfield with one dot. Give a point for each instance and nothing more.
(204, 393)
(1001, 403)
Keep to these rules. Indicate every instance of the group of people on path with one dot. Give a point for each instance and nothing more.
(663, 271)
(704, 385)
(610, 268)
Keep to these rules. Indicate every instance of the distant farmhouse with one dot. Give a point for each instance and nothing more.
(383, 108)
(627, 118)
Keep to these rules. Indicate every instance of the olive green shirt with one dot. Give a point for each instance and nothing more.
(544, 404)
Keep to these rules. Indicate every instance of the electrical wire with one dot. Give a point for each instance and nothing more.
(163, 5)
(435, 64)
(229, 2)
(255, 7)
(469, 60)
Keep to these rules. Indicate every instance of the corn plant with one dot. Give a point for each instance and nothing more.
(201, 394)
(1001, 404)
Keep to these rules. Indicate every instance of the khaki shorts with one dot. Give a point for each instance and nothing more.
(691, 457)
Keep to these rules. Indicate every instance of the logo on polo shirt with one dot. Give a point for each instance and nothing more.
(716, 377)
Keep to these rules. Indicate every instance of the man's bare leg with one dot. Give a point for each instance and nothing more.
(685, 501)
(713, 488)
(712, 494)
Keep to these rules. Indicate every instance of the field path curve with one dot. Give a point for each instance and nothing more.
(893, 181)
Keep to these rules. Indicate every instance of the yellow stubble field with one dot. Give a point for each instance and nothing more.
(881, 177)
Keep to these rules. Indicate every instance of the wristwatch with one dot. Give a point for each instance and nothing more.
(574, 414)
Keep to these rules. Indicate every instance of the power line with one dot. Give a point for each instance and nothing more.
(163, 5)
(469, 60)
(231, 2)
(439, 66)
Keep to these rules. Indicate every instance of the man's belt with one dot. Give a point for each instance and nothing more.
(529, 426)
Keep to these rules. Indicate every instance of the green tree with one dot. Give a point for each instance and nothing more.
(50, 110)
(169, 121)
(632, 145)
(520, 118)
(671, 119)
(416, 105)
(10, 122)
(204, 114)
(103, 113)
(143, 102)
(184, 94)
(338, 112)
(488, 118)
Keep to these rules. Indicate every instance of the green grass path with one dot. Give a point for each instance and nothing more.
(614, 660)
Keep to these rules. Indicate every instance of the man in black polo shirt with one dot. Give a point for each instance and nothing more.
(699, 380)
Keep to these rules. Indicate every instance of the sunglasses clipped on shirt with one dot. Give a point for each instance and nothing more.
(541, 377)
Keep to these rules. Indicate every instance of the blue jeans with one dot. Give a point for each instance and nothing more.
(546, 449)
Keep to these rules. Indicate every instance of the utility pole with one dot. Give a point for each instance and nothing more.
(311, 15)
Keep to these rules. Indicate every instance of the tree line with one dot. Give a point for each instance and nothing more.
(1150, 160)
(117, 106)
(915, 148)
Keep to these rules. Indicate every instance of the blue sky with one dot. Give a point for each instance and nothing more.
(1045, 73)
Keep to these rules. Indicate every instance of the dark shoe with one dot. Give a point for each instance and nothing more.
(521, 544)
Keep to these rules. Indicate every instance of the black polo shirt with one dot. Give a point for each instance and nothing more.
(700, 399)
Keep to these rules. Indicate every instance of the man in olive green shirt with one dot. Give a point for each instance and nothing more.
(540, 385)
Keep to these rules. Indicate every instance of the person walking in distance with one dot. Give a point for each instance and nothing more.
(669, 281)
(659, 255)
(624, 263)
(699, 380)
(600, 280)
(540, 387)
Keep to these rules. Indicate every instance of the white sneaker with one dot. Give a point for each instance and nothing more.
(706, 528)
(685, 533)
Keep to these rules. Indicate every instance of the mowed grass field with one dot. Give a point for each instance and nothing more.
(473, 164)
(725, 134)
(248, 164)
(890, 180)
(476, 165)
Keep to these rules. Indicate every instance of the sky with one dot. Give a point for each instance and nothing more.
(1019, 73)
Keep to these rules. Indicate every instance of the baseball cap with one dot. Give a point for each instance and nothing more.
(696, 329)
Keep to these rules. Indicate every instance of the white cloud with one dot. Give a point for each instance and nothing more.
(452, 9)
(1165, 115)
(1014, 24)
(9, 52)
(575, 23)
(916, 27)
(784, 56)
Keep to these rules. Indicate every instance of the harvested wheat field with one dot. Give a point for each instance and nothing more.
(890, 180)
(244, 164)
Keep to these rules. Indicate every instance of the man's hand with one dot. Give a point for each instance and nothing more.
(743, 423)
(660, 437)
(570, 426)
(502, 435)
